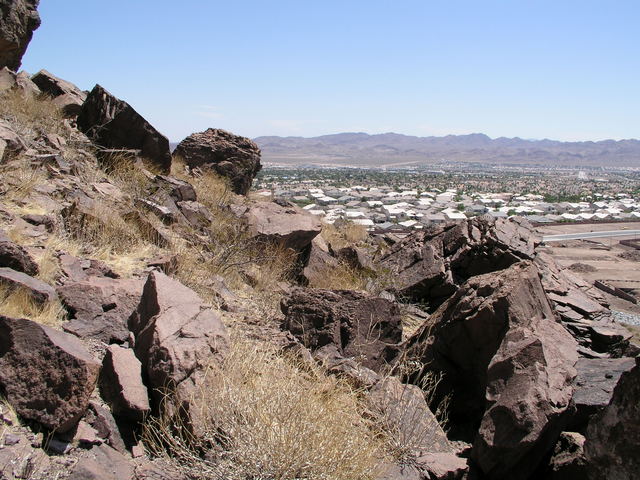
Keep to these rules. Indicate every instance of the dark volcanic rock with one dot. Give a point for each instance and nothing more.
(232, 156)
(46, 375)
(114, 124)
(65, 94)
(613, 436)
(429, 265)
(18, 20)
(365, 327)
(15, 257)
(507, 364)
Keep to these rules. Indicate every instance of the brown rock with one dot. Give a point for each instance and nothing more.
(507, 365)
(10, 142)
(196, 214)
(404, 413)
(47, 375)
(66, 95)
(365, 327)
(442, 466)
(568, 461)
(430, 265)
(179, 190)
(357, 258)
(15, 257)
(103, 463)
(177, 336)
(231, 156)
(317, 264)
(114, 124)
(100, 307)
(290, 227)
(18, 21)
(613, 436)
(103, 422)
(121, 383)
(39, 291)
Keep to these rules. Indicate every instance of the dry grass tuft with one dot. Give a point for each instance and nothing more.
(346, 235)
(31, 116)
(268, 416)
(340, 277)
(17, 303)
(214, 191)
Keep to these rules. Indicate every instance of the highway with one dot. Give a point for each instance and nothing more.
(587, 235)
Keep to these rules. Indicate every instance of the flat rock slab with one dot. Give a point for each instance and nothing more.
(47, 375)
(39, 291)
(103, 463)
(121, 383)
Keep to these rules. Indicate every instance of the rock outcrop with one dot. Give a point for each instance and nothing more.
(47, 375)
(507, 364)
(10, 142)
(361, 326)
(39, 291)
(289, 226)
(177, 337)
(16, 257)
(18, 21)
(429, 265)
(113, 124)
(65, 95)
(234, 157)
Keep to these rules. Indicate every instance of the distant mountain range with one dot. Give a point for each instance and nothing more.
(394, 150)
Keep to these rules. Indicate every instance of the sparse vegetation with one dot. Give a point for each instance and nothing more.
(17, 303)
(345, 235)
(270, 416)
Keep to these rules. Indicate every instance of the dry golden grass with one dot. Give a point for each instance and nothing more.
(340, 277)
(268, 416)
(213, 190)
(17, 303)
(31, 116)
(345, 235)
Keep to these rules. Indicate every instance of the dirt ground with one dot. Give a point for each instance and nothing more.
(601, 254)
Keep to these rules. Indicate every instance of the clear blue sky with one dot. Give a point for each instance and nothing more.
(560, 69)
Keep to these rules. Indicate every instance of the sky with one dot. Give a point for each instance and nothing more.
(559, 69)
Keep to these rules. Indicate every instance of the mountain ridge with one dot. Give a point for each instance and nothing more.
(387, 149)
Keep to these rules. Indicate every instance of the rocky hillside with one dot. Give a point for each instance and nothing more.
(158, 321)
(389, 149)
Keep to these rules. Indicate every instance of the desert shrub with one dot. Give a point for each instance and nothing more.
(31, 116)
(268, 416)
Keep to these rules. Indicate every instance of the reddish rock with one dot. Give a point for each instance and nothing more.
(10, 142)
(102, 463)
(317, 264)
(18, 21)
(357, 258)
(361, 326)
(442, 466)
(568, 461)
(177, 336)
(99, 307)
(289, 226)
(231, 156)
(196, 214)
(121, 383)
(15, 257)
(47, 375)
(39, 291)
(113, 124)
(507, 364)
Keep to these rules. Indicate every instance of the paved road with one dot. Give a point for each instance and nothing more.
(584, 235)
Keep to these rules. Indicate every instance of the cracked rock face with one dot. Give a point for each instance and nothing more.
(18, 20)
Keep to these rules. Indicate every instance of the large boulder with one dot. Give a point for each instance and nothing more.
(18, 21)
(429, 265)
(507, 365)
(234, 157)
(177, 337)
(66, 95)
(99, 307)
(46, 375)
(613, 436)
(14, 256)
(288, 226)
(113, 124)
(359, 325)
